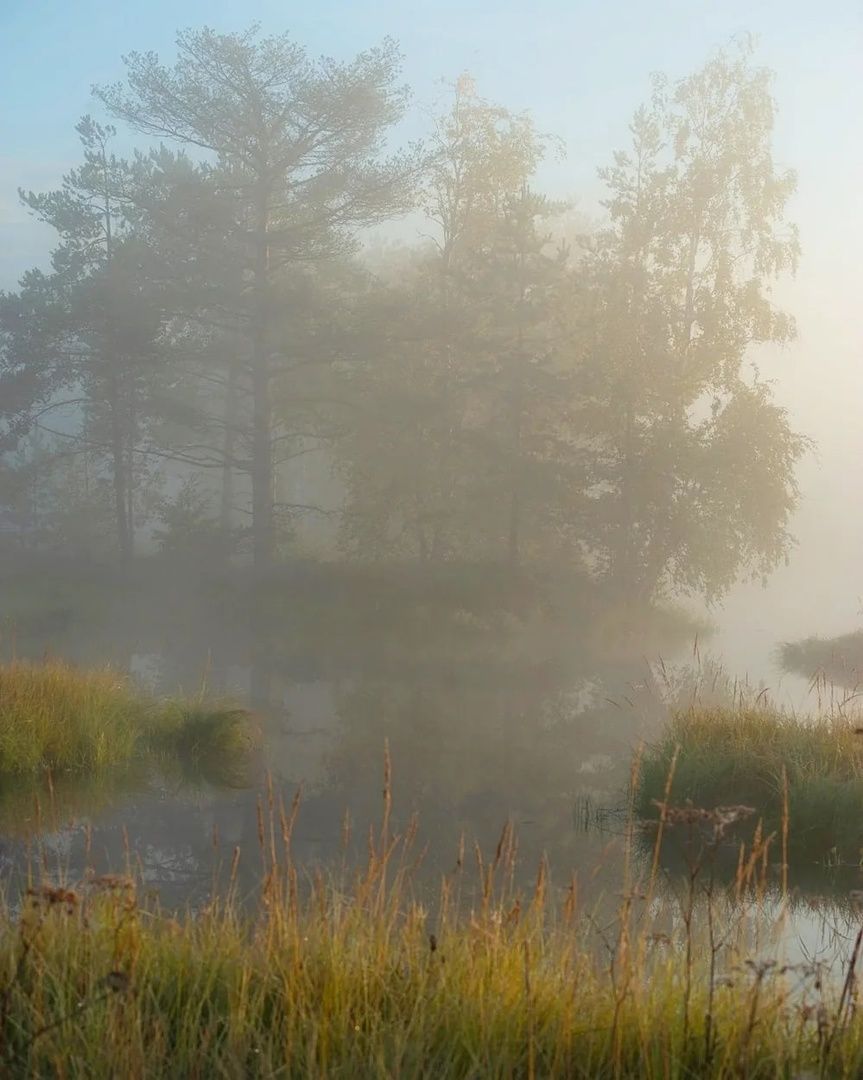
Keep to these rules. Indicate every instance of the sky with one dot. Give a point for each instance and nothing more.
(580, 68)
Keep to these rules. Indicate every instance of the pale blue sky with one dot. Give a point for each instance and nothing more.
(580, 67)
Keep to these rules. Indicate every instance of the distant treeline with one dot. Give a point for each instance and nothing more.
(219, 363)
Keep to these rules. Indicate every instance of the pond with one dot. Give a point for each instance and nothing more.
(479, 725)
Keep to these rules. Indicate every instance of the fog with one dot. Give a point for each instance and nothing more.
(431, 395)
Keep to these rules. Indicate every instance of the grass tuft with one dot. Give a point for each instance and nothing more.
(742, 755)
(59, 718)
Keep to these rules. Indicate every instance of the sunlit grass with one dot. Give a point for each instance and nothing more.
(356, 976)
(59, 718)
(368, 973)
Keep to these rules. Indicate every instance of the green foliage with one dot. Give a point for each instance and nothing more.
(460, 448)
(295, 147)
(187, 526)
(96, 320)
(62, 498)
(594, 406)
(719, 756)
(693, 474)
(493, 393)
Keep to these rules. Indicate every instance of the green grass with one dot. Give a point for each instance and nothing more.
(198, 741)
(57, 717)
(722, 756)
(359, 978)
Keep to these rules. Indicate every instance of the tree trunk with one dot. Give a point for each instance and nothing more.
(624, 567)
(516, 416)
(514, 523)
(263, 540)
(122, 479)
(119, 478)
(689, 302)
(516, 478)
(226, 507)
(131, 438)
(262, 465)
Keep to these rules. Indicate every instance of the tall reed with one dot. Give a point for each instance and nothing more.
(364, 973)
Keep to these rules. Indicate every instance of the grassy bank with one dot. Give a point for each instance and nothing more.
(357, 978)
(761, 757)
(53, 716)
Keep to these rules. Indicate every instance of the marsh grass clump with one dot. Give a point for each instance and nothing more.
(60, 718)
(773, 761)
(55, 716)
(203, 741)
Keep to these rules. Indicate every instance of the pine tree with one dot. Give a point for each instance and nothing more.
(298, 147)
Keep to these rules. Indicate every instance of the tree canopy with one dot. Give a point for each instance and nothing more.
(246, 372)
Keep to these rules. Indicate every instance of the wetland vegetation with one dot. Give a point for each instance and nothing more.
(808, 769)
(59, 719)
(366, 973)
